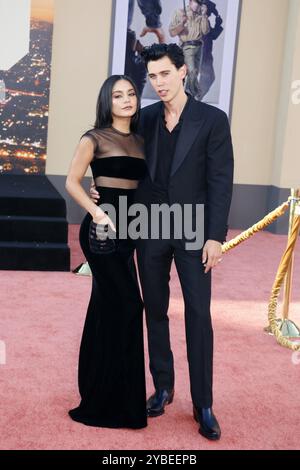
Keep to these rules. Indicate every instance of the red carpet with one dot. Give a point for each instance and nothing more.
(256, 384)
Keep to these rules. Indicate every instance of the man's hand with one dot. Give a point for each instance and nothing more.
(184, 21)
(212, 253)
(159, 32)
(94, 195)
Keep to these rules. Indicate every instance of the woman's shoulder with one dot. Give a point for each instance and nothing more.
(93, 132)
(93, 135)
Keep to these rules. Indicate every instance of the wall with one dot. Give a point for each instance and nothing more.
(80, 55)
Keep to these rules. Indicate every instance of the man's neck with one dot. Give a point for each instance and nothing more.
(175, 107)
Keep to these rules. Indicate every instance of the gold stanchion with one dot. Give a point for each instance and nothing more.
(281, 328)
(285, 328)
(83, 270)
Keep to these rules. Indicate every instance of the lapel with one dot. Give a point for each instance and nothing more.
(191, 125)
(152, 142)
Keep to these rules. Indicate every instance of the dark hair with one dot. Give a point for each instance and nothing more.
(104, 103)
(158, 51)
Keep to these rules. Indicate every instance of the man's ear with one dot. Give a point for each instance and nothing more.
(183, 69)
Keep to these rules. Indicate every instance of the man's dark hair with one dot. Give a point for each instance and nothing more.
(158, 51)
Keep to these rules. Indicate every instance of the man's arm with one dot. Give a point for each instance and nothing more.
(178, 23)
(219, 177)
(205, 24)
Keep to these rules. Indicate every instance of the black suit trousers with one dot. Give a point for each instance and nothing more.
(154, 262)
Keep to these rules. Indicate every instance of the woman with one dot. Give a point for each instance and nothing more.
(111, 362)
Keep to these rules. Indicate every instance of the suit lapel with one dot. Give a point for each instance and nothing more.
(191, 126)
(152, 144)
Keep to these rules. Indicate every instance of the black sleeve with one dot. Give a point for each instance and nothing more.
(219, 177)
(141, 124)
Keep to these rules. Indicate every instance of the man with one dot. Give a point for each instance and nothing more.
(191, 26)
(190, 161)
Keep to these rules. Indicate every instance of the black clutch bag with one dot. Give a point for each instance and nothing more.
(99, 241)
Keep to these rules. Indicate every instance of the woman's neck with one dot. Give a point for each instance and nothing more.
(122, 125)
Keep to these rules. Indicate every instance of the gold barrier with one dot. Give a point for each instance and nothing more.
(285, 328)
(263, 223)
(281, 328)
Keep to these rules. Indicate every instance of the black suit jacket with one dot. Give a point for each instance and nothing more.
(202, 167)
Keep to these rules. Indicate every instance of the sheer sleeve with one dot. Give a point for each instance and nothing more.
(93, 138)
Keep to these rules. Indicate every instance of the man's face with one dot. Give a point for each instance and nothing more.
(165, 78)
(194, 6)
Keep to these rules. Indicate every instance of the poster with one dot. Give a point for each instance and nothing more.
(139, 23)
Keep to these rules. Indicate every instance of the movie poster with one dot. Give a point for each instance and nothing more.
(206, 31)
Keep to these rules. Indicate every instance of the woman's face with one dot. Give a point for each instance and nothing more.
(124, 99)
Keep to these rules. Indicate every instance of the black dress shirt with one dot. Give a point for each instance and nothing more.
(167, 145)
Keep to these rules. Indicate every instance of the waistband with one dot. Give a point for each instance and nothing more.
(198, 42)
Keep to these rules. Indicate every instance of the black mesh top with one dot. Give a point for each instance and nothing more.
(116, 155)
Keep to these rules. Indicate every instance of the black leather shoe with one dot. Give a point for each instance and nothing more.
(157, 402)
(209, 426)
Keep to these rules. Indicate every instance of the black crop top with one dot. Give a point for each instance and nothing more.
(116, 154)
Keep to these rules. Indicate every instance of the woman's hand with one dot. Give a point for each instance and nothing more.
(102, 218)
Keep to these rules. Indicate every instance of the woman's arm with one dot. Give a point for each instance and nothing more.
(79, 165)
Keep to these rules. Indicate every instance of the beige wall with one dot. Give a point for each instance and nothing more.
(289, 120)
(257, 85)
(79, 65)
(264, 123)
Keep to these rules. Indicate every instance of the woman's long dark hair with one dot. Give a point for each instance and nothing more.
(104, 116)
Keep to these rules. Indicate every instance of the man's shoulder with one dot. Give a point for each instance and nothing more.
(209, 110)
(151, 109)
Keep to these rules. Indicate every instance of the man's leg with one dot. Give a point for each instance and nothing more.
(192, 77)
(130, 13)
(198, 67)
(151, 9)
(154, 263)
(196, 288)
